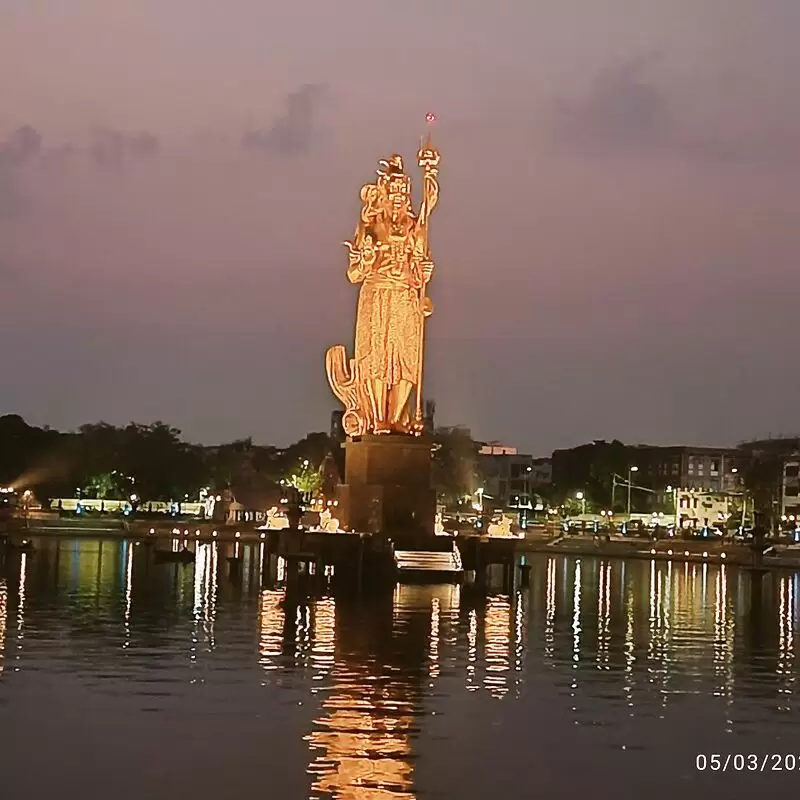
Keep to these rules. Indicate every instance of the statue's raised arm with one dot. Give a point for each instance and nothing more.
(428, 159)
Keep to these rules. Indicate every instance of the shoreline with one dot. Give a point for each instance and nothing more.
(712, 551)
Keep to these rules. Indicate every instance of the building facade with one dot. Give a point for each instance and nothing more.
(698, 509)
(790, 488)
(773, 478)
(541, 473)
(506, 475)
(663, 470)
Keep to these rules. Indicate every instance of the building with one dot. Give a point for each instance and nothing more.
(506, 475)
(698, 509)
(429, 419)
(541, 473)
(790, 488)
(714, 470)
(772, 466)
(654, 472)
(337, 430)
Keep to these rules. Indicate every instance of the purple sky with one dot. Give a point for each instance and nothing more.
(617, 242)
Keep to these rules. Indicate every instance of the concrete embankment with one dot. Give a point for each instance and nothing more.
(709, 551)
(706, 551)
(134, 529)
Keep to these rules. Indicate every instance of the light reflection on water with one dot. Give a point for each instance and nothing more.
(3, 619)
(385, 692)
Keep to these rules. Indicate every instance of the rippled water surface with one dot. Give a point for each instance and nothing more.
(121, 677)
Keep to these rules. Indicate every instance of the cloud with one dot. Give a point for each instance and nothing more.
(113, 148)
(626, 112)
(621, 110)
(11, 201)
(294, 131)
(22, 147)
(777, 147)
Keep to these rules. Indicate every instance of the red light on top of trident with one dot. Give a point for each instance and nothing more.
(425, 141)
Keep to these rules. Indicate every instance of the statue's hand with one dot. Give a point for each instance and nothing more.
(427, 270)
(428, 158)
(353, 254)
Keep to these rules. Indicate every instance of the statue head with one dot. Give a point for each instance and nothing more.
(396, 185)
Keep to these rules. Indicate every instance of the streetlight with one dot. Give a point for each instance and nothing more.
(582, 497)
(631, 470)
(673, 490)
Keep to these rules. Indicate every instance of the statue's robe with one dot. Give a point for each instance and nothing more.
(389, 321)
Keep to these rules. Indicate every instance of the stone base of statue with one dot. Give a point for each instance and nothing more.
(387, 486)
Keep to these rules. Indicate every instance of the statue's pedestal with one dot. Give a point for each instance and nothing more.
(387, 485)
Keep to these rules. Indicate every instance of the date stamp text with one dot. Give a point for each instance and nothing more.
(747, 762)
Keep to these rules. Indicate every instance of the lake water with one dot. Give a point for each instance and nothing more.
(124, 678)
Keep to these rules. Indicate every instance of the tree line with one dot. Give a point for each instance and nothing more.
(153, 462)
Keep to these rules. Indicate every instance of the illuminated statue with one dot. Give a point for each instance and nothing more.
(501, 528)
(390, 258)
(328, 523)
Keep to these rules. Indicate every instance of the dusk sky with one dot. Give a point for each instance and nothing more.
(617, 241)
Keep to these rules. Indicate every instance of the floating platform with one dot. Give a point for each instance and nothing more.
(429, 566)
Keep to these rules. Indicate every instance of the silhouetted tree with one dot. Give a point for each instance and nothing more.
(313, 448)
(762, 479)
(455, 464)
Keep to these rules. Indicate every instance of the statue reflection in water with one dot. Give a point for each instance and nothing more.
(373, 663)
(363, 740)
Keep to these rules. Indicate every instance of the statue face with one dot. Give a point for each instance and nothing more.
(398, 194)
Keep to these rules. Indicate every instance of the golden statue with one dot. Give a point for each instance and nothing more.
(390, 258)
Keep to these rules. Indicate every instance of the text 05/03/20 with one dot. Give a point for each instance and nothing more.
(747, 762)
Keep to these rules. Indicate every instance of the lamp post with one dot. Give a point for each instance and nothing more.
(674, 492)
(631, 470)
(582, 497)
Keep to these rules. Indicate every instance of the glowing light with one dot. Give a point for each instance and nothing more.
(430, 118)
(128, 594)
(3, 618)
(433, 651)
(238, 535)
(23, 573)
(576, 616)
(271, 617)
(323, 637)
(472, 649)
